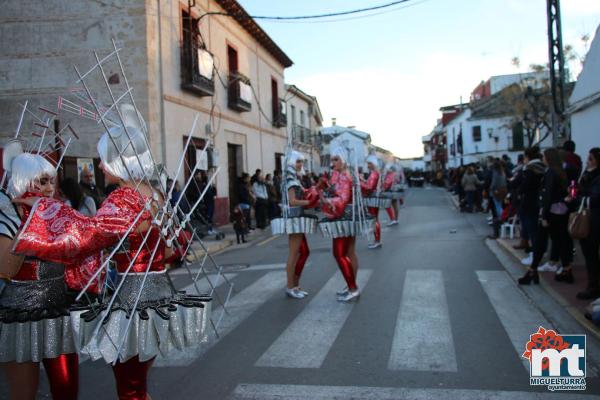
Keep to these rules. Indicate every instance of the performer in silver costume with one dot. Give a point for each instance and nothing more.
(148, 317)
(35, 325)
(295, 221)
(371, 192)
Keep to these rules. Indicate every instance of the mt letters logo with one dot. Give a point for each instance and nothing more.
(556, 361)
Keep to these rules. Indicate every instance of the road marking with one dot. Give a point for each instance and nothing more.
(204, 286)
(307, 340)
(423, 336)
(517, 315)
(268, 240)
(240, 307)
(307, 392)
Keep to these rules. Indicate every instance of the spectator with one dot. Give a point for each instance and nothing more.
(572, 162)
(469, 184)
(272, 192)
(184, 206)
(247, 199)
(76, 198)
(277, 184)
(239, 224)
(255, 176)
(527, 193)
(89, 188)
(498, 190)
(508, 165)
(261, 204)
(208, 200)
(554, 216)
(589, 187)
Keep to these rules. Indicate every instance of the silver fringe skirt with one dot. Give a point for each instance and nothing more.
(392, 195)
(34, 318)
(377, 202)
(163, 320)
(345, 227)
(287, 226)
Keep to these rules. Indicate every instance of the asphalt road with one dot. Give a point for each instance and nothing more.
(439, 318)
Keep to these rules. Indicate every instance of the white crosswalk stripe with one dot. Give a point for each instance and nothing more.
(306, 392)
(240, 307)
(302, 346)
(423, 336)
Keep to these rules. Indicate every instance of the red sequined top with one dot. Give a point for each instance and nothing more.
(58, 233)
(340, 194)
(369, 186)
(389, 180)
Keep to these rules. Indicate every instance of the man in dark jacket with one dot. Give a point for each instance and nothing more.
(528, 192)
(572, 164)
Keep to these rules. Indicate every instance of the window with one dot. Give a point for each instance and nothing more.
(232, 60)
(517, 137)
(274, 99)
(293, 115)
(196, 62)
(477, 133)
(302, 118)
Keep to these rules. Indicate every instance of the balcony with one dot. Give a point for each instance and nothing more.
(239, 93)
(301, 134)
(280, 114)
(197, 71)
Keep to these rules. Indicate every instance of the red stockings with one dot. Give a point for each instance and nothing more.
(304, 252)
(374, 211)
(63, 375)
(391, 214)
(131, 377)
(340, 252)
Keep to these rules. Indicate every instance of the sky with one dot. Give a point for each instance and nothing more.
(389, 74)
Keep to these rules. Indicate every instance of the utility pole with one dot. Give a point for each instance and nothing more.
(557, 71)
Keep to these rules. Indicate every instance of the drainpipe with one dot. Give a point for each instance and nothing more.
(163, 133)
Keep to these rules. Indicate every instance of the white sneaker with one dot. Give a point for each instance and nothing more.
(374, 245)
(302, 292)
(342, 292)
(392, 223)
(349, 296)
(527, 260)
(548, 267)
(293, 293)
(559, 270)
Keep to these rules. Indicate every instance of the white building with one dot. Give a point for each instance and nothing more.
(304, 124)
(585, 102)
(358, 141)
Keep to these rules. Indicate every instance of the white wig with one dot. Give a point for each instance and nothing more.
(293, 157)
(341, 152)
(125, 154)
(391, 167)
(373, 160)
(26, 169)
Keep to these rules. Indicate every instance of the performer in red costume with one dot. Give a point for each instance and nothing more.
(34, 319)
(295, 221)
(389, 186)
(370, 189)
(342, 222)
(147, 317)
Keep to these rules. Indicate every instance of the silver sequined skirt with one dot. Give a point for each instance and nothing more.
(377, 202)
(291, 225)
(392, 195)
(345, 228)
(34, 318)
(163, 321)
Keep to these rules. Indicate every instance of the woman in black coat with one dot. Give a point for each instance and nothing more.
(589, 188)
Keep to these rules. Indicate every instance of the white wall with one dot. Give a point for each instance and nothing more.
(585, 130)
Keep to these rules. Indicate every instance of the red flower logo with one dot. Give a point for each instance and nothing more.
(545, 339)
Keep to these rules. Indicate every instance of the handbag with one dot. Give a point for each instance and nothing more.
(579, 222)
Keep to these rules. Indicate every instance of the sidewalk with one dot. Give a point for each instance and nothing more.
(563, 293)
(214, 246)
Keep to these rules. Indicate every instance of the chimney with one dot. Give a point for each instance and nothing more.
(332, 121)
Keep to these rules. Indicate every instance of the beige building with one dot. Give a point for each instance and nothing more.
(304, 125)
(169, 58)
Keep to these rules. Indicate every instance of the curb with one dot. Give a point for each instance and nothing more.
(573, 311)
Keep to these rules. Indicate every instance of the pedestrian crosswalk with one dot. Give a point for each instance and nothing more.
(421, 339)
